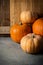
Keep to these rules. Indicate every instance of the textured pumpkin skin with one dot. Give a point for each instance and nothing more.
(27, 17)
(38, 27)
(18, 31)
(31, 43)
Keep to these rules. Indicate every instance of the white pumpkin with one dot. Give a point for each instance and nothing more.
(32, 43)
(28, 17)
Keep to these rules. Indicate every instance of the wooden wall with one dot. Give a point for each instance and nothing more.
(4, 12)
(37, 6)
(17, 6)
(10, 11)
(4, 16)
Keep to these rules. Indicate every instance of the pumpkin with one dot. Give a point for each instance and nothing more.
(38, 27)
(31, 43)
(28, 17)
(18, 31)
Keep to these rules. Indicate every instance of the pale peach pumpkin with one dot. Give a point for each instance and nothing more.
(28, 17)
(18, 31)
(31, 43)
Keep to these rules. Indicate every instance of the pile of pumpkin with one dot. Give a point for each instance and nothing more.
(29, 34)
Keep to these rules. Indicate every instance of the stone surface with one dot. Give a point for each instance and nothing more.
(12, 54)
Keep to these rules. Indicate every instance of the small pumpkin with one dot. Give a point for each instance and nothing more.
(38, 27)
(28, 17)
(31, 43)
(18, 31)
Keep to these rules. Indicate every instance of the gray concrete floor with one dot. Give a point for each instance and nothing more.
(12, 54)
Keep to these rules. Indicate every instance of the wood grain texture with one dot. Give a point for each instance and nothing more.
(37, 6)
(22, 5)
(4, 12)
(10, 10)
(16, 7)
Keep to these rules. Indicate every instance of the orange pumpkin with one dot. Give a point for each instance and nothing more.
(38, 27)
(28, 17)
(18, 31)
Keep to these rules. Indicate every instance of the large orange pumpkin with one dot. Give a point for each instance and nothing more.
(38, 26)
(18, 31)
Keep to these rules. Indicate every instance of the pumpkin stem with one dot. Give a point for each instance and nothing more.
(20, 23)
(33, 36)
